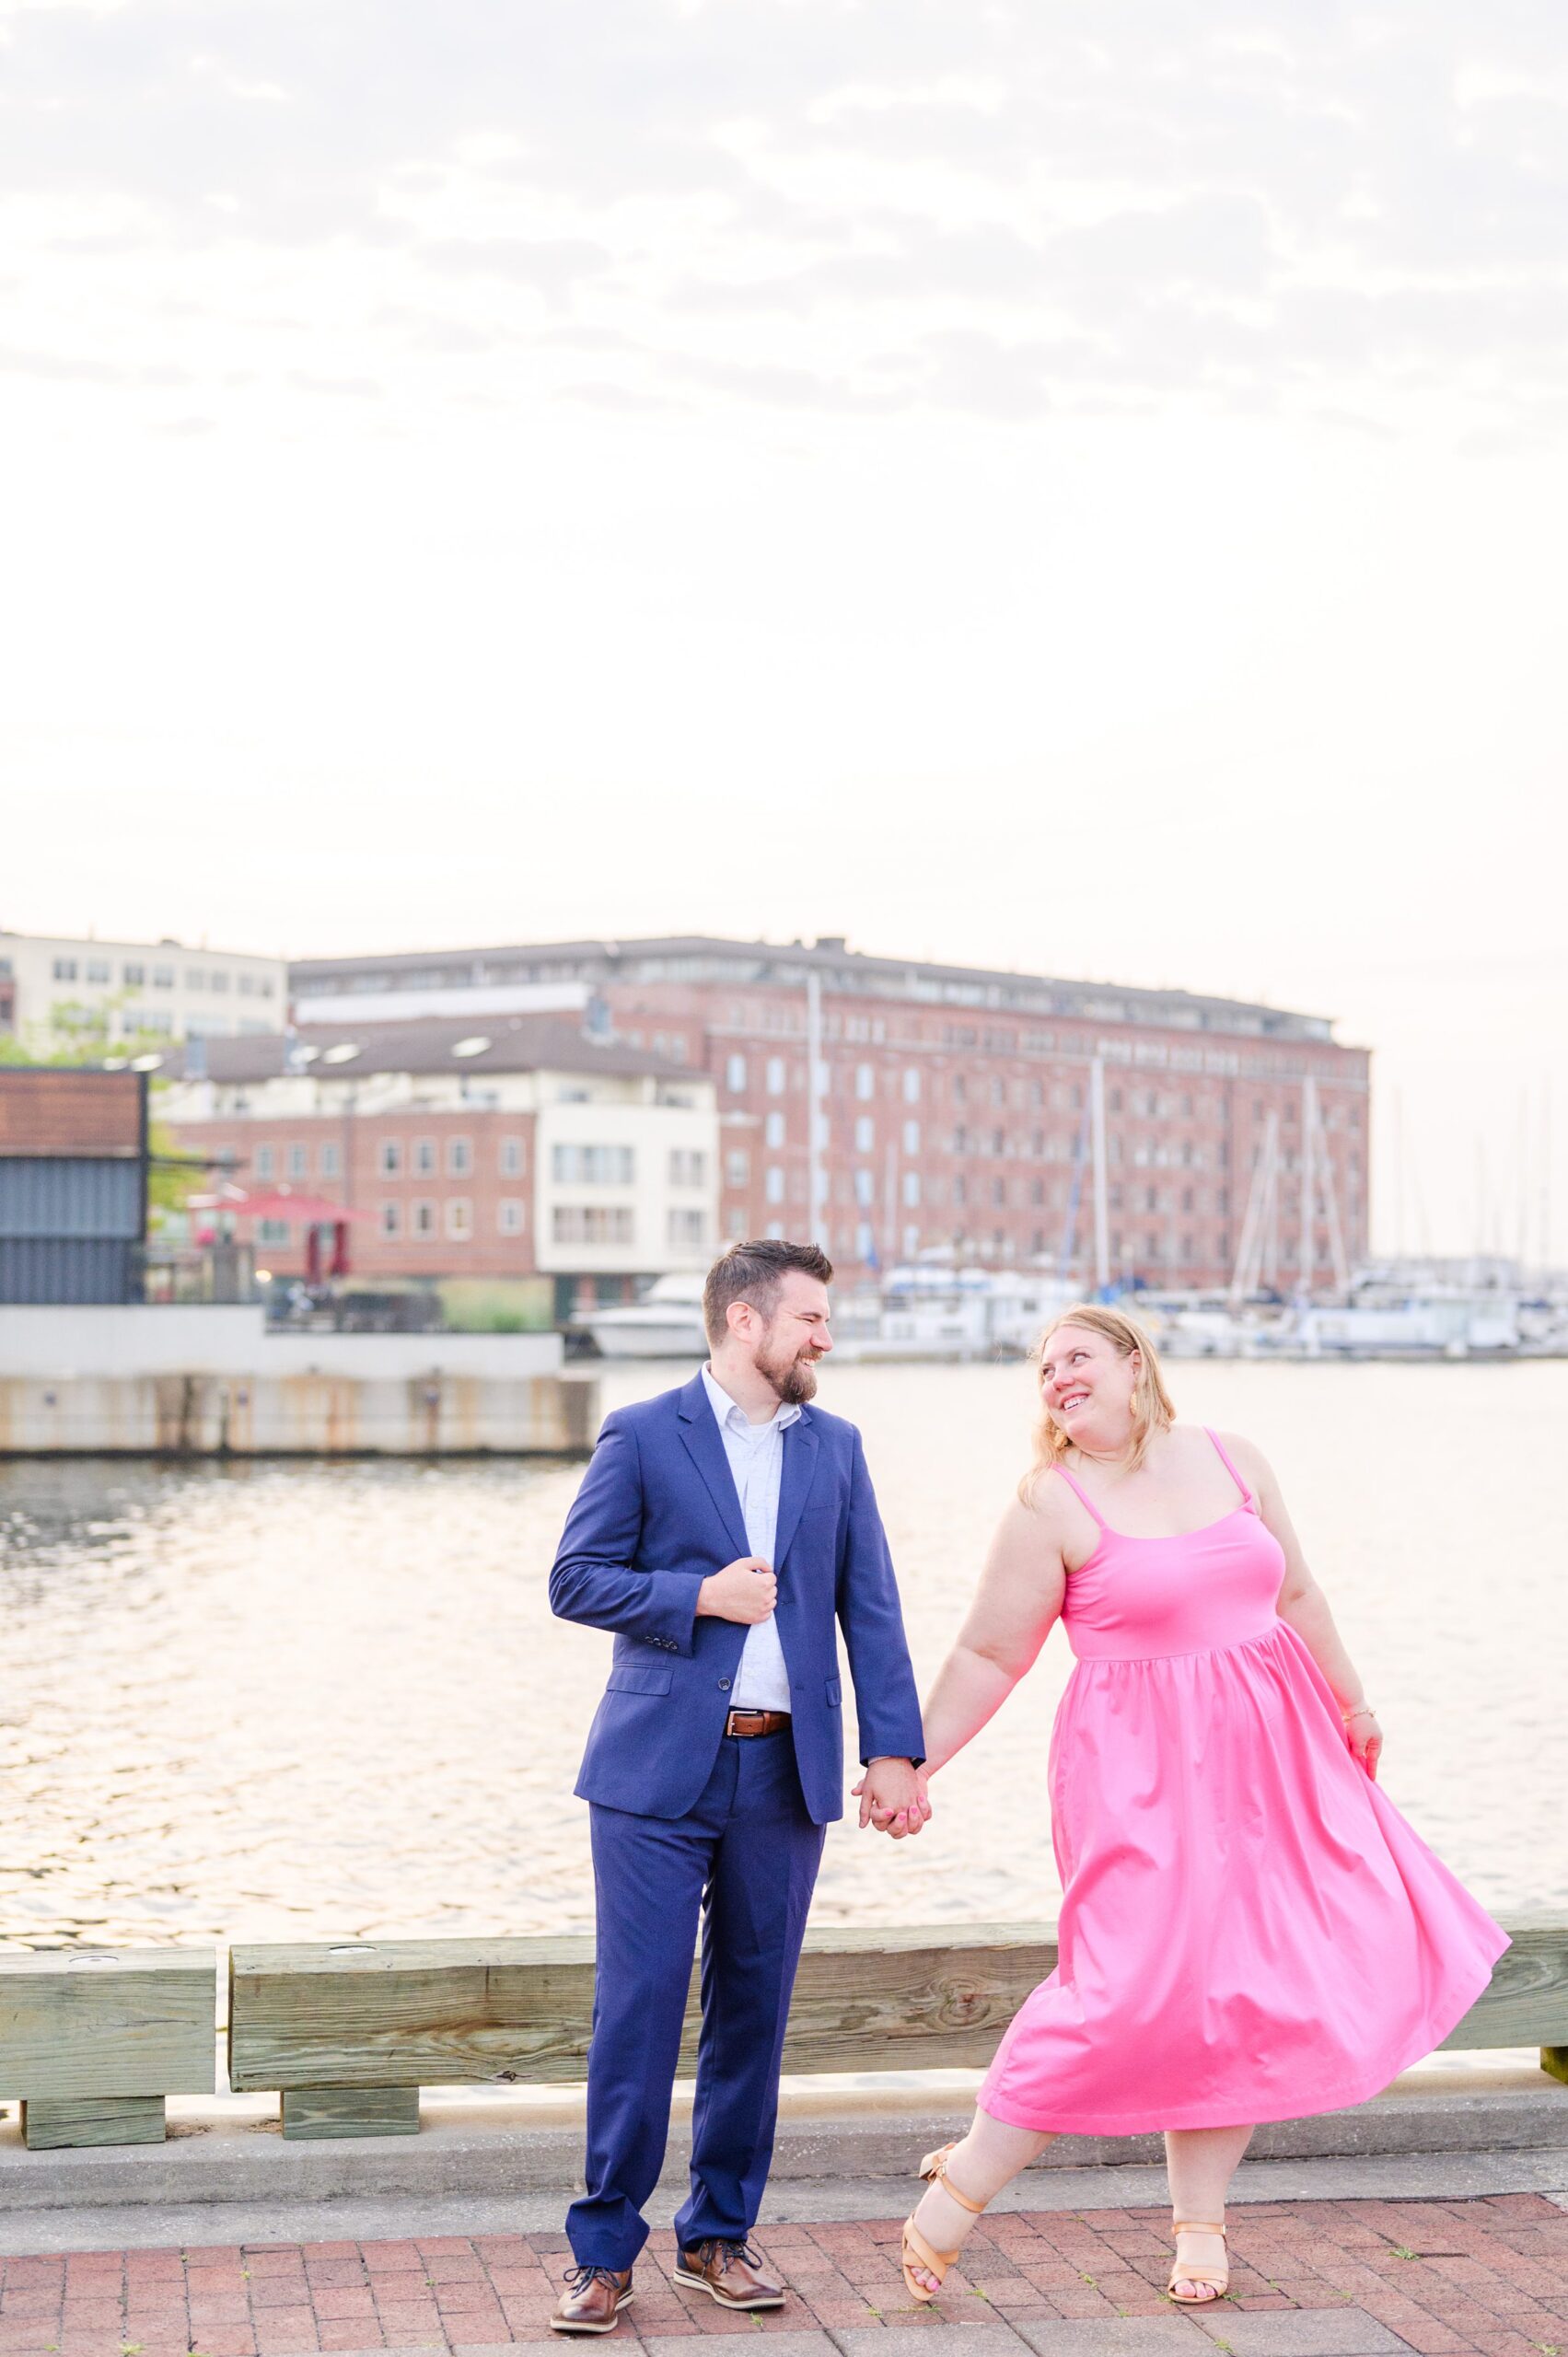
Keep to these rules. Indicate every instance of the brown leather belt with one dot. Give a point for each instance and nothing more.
(747, 1723)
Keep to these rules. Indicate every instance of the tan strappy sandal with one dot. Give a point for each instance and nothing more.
(1183, 2271)
(933, 2171)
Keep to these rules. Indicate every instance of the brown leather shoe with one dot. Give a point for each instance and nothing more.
(594, 2297)
(731, 2274)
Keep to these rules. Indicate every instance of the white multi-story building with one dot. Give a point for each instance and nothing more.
(55, 988)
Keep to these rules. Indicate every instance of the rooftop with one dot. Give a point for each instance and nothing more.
(434, 1044)
(707, 957)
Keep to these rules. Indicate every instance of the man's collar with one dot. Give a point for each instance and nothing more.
(727, 1408)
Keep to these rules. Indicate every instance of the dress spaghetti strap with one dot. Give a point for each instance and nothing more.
(1087, 1503)
(1246, 1492)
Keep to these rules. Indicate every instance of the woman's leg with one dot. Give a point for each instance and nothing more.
(1200, 2163)
(989, 2157)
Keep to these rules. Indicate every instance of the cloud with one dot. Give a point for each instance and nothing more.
(796, 204)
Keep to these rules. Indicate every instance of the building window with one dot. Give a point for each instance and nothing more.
(999, 1192)
(196, 978)
(864, 1189)
(737, 1168)
(132, 976)
(424, 1221)
(688, 1167)
(266, 1161)
(64, 969)
(912, 1137)
(299, 1161)
(217, 980)
(425, 1157)
(246, 985)
(391, 1157)
(864, 1082)
(960, 1190)
(737, 1226)
(775, 1075)
(734, 1074)
(911, 1084)
(330, 1161)
(459, 1218)
(459, 1159)
(911, 1189)
(593, 1166)
(509, 1159)
(155, 1018)
(688, 1230)
(865, 1133)
(163, 978)
(264, 986)
(593, 1223)
(391, 1219)
(509, 1216)
(911, 1242)
(775, 1184)
(272, 1231)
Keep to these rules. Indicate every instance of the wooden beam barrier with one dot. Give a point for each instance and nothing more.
(320, 2023)
(93, 2040)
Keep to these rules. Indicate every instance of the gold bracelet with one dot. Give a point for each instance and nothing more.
(1362, 1710)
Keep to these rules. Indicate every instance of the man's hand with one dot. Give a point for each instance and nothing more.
(893, 1797)
(744, 1590)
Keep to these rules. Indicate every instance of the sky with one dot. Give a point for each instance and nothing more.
(1080, 490)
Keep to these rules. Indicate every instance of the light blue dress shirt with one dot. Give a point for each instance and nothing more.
(755, 1455)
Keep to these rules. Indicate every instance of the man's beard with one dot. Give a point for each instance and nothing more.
(793, 1380)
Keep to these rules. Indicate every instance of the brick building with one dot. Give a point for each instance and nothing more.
(957, 1108)
(520, 1147)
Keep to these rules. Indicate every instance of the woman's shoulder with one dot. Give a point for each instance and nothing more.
(1244, 1453)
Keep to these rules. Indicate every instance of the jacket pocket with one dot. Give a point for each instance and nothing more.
(832, 1693)
(636, 1677)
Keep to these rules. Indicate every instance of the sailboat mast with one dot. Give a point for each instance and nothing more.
(817, 1192)
(1102, 1223)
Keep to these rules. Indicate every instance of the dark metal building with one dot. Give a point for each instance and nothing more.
(73, 1185)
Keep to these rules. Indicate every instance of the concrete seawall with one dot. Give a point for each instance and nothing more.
(212, 1382)
(434, 1414)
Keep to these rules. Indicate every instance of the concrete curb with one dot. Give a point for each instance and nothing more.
(222, 2154)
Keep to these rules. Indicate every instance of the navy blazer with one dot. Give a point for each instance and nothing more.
(656, 1512)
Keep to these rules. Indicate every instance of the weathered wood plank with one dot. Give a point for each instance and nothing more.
(1527, 2002)
(350, 2111)
(92, 2022)
(446, 2012)
(404, 2014)
(50, 2124)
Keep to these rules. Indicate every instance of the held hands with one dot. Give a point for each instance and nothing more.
(893, 1797)
(744, 1590)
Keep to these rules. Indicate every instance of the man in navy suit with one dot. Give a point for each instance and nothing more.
(720, 1530)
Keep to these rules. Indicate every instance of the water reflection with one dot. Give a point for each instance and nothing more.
(296, 1700)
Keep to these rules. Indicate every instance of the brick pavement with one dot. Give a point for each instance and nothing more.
(1482, 2278)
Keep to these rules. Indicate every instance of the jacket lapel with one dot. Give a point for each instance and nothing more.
(700, 1432)
(794, 1488)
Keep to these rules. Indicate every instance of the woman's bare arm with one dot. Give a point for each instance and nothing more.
(1016, 1605)
(1303, 1603)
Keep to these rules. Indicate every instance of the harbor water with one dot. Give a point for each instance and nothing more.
(273, 1700)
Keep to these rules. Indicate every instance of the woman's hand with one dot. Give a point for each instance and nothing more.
(1365, 1737)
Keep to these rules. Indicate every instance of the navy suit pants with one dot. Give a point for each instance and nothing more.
(744, 1860)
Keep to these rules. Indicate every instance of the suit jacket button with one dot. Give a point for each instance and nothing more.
(723, 1686)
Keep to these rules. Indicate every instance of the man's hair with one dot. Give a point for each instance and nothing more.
(753, 1272)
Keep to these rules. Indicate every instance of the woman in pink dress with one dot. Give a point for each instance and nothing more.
(1249, 1929)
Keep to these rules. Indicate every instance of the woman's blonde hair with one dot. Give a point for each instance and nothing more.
(1153, 1408)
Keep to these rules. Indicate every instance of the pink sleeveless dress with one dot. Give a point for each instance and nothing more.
(1249, 1929)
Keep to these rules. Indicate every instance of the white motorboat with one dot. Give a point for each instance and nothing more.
(666, 1324)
